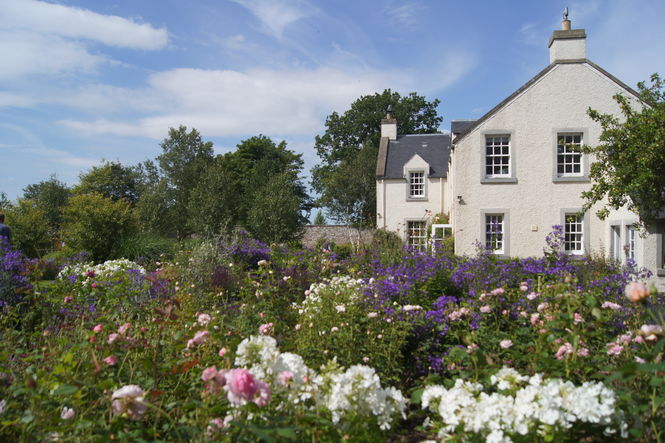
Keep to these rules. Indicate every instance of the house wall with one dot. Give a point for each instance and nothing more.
(558, 101)
(394, 209)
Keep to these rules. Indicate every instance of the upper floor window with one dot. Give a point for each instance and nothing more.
(417, 184)
(494, 233)
(497, 156)
(568, 155)
(573, 230)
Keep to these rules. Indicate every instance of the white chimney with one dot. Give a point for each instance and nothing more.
(389, 126)
(567, 44)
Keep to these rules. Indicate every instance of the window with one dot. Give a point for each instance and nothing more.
(497, 156)
(416, 184)
(615, 245)
(573, 231)
(630, 250)
(568, 155)
(416, 234)
(494, 238)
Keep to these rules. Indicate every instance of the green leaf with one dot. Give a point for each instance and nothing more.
(64, 390)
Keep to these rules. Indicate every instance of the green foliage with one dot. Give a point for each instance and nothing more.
(112, 180)
(629, 166)
(389, 243)
(351, 141)
(319, 219)
(51, 196)
(147, 246)
(97, 224)
(214, 201)
(275, 215)
(30, 227)
(183, 161)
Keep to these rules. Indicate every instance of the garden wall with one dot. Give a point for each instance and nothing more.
(339, 234)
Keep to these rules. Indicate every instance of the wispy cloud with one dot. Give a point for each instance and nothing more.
(276, 15)
(403, 14)
(70, 22)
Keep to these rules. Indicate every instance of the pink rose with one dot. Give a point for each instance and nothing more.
(263, 394)
(209, 373)
(285, 377)
(199, 338)
(97, 328)
(266, 329)
(129, 400)
(68, 299)
(122, 330)
(240, 385)
(505, 344)
(111, 360)
(636, 291)
(222, 352)
(93, 285)
(113, 338)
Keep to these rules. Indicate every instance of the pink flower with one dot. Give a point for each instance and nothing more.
(297, 327)
(614, 348)
(240, 385)
(498, 291)
(209, 373)
(534, 319)
(334, 329)
(285, 377)
(541, 307)
(639, 339)
(129, 400)
(639, 360)
(564, 350)
(113, 338)
(111, 360)
(68, 299)
(612, 306)
(524, 287)
(90, 274)
(532, 295)
(122, 330)
(266, 328)
(340, 308)
(577, 318)
(203, 319)
(583, 352)
(636, 291)
(505, 344)
(365, 359)
(93, 285)
(199, 338)
(263, 394)
(372, 315)
(97, 328)
(485, 309)
(222, 352)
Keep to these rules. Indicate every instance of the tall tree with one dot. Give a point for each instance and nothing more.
(31, 232)
(112, 180)
(183, 161)
(50, 196)
(629, 166)
(351, 139)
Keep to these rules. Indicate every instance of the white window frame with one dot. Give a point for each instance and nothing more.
(416, 236)
(631, 242)
(505, 159)
(566, 157)
(574, 239)
(417, 181)
(616, 245)
(495, 239)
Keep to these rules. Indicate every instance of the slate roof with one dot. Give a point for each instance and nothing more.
(433, 148)
(459, 126)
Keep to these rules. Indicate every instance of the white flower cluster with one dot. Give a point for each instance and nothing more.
(87, 272)
(344, 289)
(524, 406)
(356, 391)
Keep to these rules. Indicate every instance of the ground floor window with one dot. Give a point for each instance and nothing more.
(573, 231)
(494, 233)
(630, 246)
(616, 246)
(416, 234)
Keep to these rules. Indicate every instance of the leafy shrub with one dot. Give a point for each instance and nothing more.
(16, 272)
(97, 224)
(147, 246)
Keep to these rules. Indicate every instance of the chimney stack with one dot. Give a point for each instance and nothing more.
(389, 125)
(567, 44)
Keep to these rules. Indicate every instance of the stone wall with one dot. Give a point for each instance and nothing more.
(339, 234)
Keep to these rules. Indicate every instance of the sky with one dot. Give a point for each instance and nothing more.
(86, 81)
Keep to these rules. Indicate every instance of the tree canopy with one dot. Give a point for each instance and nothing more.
(629, 166)
(50, 196)
(345, 177)
(112, 180)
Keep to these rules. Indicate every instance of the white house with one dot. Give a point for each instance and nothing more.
(511, 175)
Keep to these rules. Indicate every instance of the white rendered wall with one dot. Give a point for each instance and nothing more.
(556, 102)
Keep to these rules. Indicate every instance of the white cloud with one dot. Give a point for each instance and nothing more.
(23, 53)
(235, 42)
(232, 103)
(70, 22)
(403, 13)
(276, 15)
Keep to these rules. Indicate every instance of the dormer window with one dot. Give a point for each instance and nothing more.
(417, 184)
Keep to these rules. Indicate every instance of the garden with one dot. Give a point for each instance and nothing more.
(229, 339)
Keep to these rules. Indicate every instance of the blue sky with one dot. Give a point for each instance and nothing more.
(86, 80)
